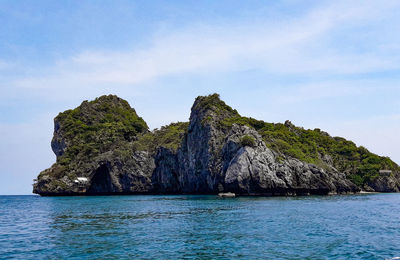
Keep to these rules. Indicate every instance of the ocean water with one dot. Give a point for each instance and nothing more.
(200, 227)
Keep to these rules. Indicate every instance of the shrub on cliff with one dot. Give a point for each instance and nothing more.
(248, 140)
(214, 103)
(169, 137)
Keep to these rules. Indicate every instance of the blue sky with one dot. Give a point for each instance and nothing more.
(327, 64)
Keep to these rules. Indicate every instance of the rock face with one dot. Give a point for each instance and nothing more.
(216, 152)
(213, 159)
(94, 141)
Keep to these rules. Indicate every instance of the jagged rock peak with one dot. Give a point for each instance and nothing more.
(212, 104)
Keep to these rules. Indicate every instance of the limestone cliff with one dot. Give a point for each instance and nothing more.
(104, 147)
(94, 141)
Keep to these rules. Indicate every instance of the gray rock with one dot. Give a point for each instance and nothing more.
(211, 158)
(58, 144)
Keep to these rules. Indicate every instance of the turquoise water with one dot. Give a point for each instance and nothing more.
(200, 227)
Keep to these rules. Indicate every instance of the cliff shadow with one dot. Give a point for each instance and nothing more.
(101, 181)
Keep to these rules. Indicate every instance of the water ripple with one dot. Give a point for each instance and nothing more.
(200, 227)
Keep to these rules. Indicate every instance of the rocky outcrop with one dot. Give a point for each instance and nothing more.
(255, 170)
(94, 141)
(212, 159)
(384, 184)
(214, 153)
(105, 174)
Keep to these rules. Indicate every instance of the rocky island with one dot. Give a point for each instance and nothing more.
(103, 147)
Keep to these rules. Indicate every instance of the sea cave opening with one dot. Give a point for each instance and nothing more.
(101, 181)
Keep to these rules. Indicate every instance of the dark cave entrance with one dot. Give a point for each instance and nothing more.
(101, 181)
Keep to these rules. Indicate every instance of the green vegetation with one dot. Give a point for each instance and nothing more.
(107, 128)
(215, 104)
(317, 147)
(313, 146)
(169, 137)
(241, 120)
(248, 140)
(98, 126)
(109, 125)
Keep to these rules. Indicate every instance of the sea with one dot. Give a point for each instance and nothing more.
(364, 226)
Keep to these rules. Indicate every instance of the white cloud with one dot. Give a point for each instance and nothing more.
(298, 46)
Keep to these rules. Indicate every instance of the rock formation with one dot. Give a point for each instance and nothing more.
(106, 143)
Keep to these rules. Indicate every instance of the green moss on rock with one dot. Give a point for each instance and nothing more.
(213, 103)
(98, 126)
(248, 140)
(169, 137)
(314, 146)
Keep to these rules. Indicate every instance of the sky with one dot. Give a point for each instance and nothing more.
(333, 65)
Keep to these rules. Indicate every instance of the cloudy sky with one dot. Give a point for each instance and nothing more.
(328, 64)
